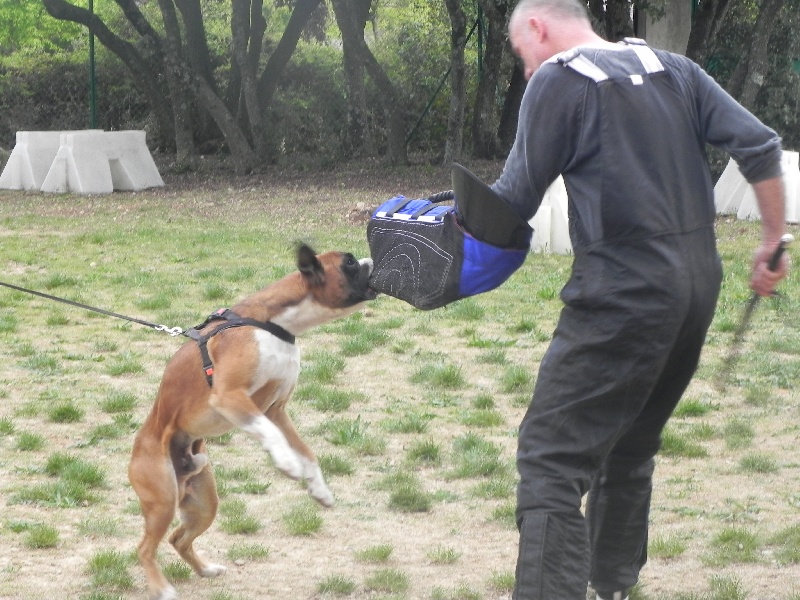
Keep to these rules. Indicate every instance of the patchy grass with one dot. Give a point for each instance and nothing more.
(302, 520)
(441, 555)
(733, 545)
(336, 585)
(413, 414)
(392, 581)
(374, 554)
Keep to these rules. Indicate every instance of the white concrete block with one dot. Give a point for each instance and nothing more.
(30, 160)
(132, 166)
(733, 195)
(542, 227)
(551, 222)
(91, 161)
(791, 179)
(98, 162)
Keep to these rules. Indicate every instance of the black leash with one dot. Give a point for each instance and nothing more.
(223, 314)
(173, 331)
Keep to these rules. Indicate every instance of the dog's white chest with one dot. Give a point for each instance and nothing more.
(277, 361)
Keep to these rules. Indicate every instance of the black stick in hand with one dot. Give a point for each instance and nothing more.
(738, 336)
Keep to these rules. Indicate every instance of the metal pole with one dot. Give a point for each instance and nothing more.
(92, 83)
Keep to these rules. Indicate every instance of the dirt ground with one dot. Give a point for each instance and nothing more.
(692, 497)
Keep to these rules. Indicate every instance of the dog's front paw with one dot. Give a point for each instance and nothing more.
(316, 483)
(322, 495)
(168, 593)
(213, 570)
(287, 461)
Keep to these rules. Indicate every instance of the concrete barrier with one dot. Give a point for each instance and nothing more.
(85, 162)
(30, 160)
(734, 196)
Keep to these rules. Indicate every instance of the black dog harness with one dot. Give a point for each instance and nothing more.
(231, 320)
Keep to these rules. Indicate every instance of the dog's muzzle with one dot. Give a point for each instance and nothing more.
(365, 279)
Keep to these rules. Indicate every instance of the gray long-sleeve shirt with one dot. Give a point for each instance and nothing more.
(632, 156)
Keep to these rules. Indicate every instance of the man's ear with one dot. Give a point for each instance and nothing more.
(538, 28)
(309, 266)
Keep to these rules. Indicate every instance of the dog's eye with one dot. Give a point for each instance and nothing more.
(350, 261)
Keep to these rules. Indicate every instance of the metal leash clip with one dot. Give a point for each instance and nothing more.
(173, 331)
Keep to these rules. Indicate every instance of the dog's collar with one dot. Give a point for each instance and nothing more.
(231, 320)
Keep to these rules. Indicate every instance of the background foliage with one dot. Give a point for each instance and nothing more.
(44, 73)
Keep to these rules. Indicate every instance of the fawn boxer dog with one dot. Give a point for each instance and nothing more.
(240, 372)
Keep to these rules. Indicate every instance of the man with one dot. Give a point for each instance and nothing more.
(626, 126)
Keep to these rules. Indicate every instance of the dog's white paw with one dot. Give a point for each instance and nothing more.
(274, 442)
(168, 593)
(287, 461)
(316, 483)
(213, 570)
(322, 495)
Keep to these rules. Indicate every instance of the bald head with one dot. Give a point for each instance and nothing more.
(539, 29)
(568, 9)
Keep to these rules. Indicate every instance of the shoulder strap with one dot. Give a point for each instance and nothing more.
(577, 61)
(645, 54)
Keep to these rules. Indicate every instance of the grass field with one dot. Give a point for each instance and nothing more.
(413, 414)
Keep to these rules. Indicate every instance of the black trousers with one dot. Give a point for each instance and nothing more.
(626, 346)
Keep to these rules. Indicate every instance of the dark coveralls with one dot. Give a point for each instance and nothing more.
(627, 129)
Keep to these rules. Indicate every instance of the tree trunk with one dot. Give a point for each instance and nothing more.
(241, 28)
(484, 122)
(268, 82)
(186, 154)
(180, 73)
(199, 57)
(736, 80)
(619, 23)
(258, 25)
(243, 156)
(357, 139)
(758, 57)
(454, 144)
(396, 140)
(187, 87)
(127, 53)
(507, 130)
(196, 43)
(705, 27)
(597, 13)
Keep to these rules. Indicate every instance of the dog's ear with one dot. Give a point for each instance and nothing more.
(309, 266)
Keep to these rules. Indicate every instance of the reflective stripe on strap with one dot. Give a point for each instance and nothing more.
(586, 67)
(648, 58)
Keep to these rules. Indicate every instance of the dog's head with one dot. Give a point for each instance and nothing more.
(336, 279)
(333, 285)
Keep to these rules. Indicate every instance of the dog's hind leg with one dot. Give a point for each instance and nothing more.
(197, 508)
(152, 477)
(312, 474)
